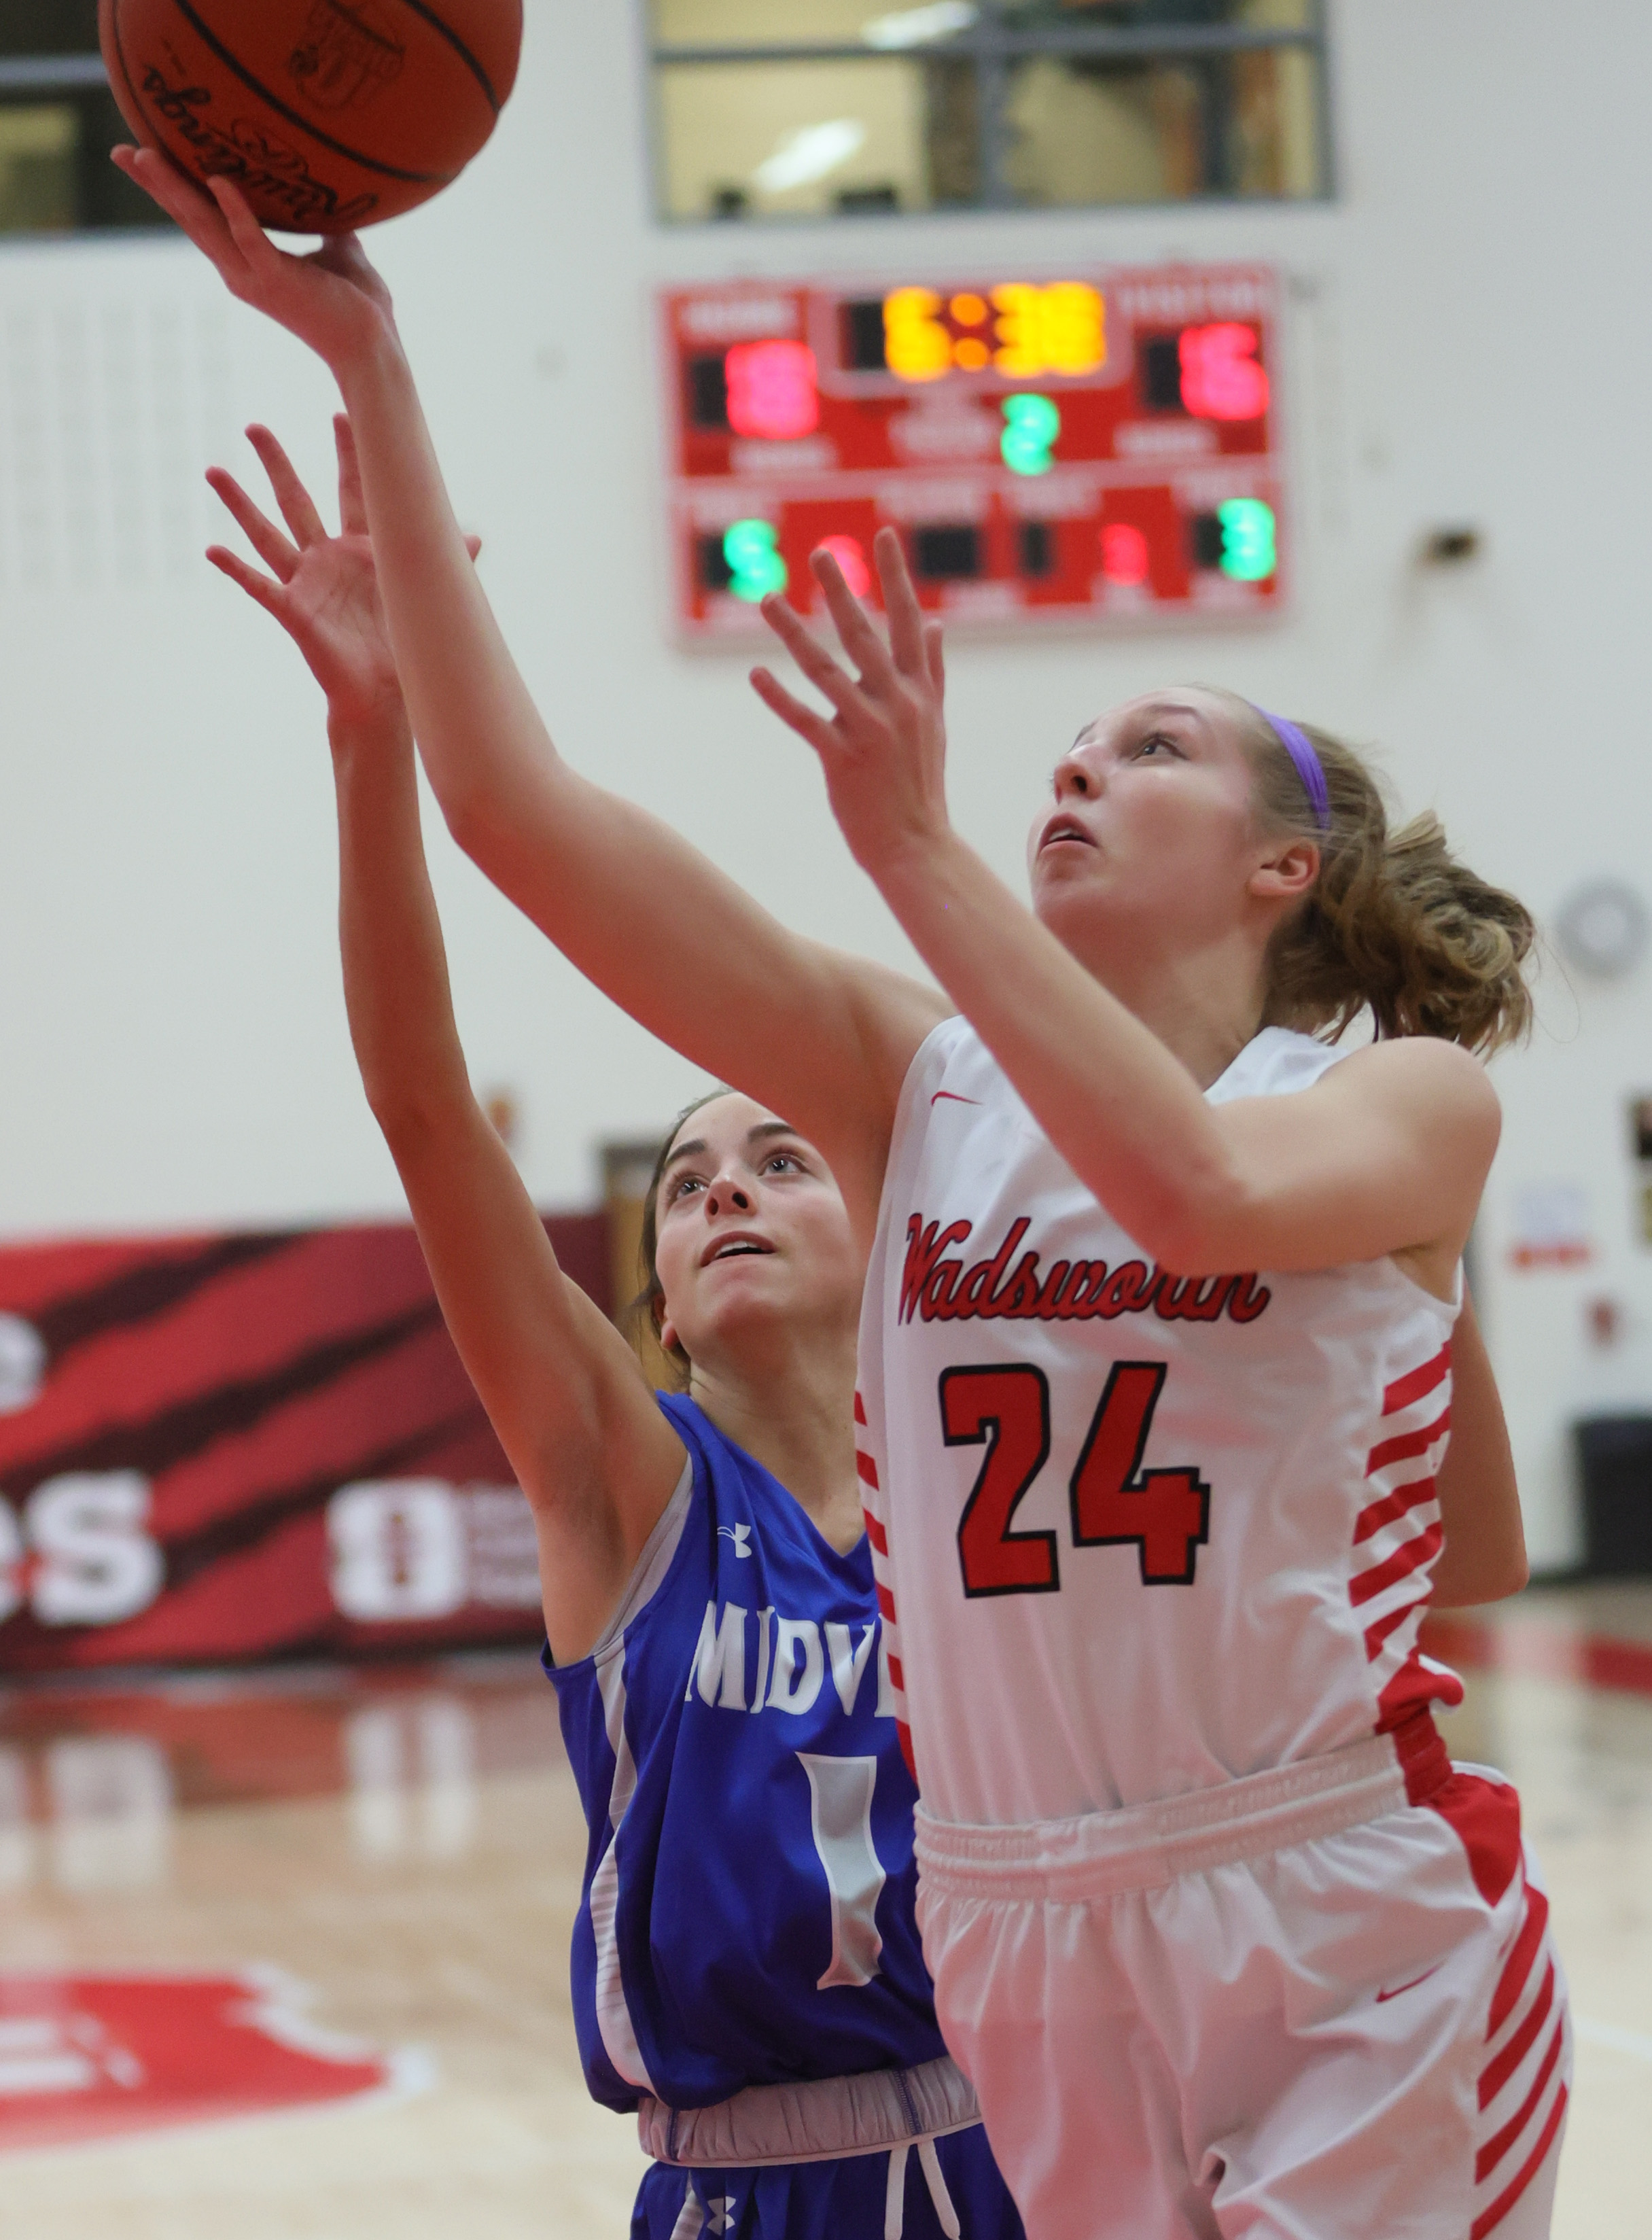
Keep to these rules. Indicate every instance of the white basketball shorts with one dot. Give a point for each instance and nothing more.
(1318, 2003)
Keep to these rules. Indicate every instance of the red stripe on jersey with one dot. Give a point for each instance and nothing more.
(866, 1469)
(1484, 1817)
(1518, 1966)
(1415, 1382)
(860, 1409)
(1377, 1634)
(1416, 1553)
(1497, 2073)
(1494, 2148)
(875, 1533)
(1490, 2218)
(886, 1603)
(1391, 1507)
(1415, 1683)
(1404, 1444)
(1413, 1687)
(897, 1673)
(1423, 1757)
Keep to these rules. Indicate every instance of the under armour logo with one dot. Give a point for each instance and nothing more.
(721, 2212)
(741, 1535)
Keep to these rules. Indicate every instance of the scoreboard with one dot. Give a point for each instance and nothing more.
(1098, 448)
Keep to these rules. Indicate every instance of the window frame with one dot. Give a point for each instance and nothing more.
(994, 47)
(68, 75)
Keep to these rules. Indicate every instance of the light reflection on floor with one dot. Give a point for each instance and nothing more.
(407, 1843)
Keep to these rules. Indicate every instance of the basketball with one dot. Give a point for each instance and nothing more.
(327, 114)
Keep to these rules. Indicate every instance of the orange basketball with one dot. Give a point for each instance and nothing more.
(327, 114)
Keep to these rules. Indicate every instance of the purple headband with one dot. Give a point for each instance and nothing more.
(1309, 769)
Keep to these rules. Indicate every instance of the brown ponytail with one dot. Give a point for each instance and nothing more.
(1395, 923)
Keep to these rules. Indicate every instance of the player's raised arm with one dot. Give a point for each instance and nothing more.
(1387, 1155)
(823, 1037)
(590, 1449)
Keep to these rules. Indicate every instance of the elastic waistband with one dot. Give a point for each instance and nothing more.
(1144, 1846)
(822, 2119)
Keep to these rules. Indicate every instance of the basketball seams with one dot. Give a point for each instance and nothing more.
(295, 117)
(428, 15)
(120, 54)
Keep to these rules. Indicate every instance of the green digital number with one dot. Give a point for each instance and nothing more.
(754, 563)
(1250, 553)
(1031, 426)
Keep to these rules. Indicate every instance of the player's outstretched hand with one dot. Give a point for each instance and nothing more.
(884, 750)
(323, 589)
(332, 299)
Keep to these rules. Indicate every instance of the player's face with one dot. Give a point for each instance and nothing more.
(1150, 829)
(751, 1229)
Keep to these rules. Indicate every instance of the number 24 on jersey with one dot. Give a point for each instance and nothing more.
(1163, 1513)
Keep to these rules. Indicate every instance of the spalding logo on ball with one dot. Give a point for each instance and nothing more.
(327, 114)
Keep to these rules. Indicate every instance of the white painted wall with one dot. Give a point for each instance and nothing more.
(1468, 335)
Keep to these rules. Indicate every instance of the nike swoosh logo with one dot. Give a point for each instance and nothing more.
(1412, 1985)
(954, 1096)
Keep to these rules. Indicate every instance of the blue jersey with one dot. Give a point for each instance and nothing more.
(747, 1911)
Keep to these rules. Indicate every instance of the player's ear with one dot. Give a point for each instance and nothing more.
(1288, 868)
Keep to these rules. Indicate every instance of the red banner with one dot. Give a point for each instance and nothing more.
(224, 1449)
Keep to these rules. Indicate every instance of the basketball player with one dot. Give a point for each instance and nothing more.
(747, 1970)
(1224, 1941)
(1208, 1906)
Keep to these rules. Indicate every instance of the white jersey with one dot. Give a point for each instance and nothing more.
(1135, 1534)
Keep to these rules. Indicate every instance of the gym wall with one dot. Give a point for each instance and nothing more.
(176, 1056)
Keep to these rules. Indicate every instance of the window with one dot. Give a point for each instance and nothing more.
(817, 107)
(58, 124)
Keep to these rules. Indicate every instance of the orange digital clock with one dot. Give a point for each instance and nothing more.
(1020, 328)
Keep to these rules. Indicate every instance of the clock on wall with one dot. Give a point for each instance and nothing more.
(1601, 929)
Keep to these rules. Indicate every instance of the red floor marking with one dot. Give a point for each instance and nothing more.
(85, 2057)
(1538, 1646)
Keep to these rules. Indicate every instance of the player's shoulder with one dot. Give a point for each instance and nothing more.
(1276, 1062)
(1283, 1059)
(728, 1482)
(1417, 1064)
(952, 1046)
(1420, 1077)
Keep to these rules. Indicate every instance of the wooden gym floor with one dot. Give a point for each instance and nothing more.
(407, 1844)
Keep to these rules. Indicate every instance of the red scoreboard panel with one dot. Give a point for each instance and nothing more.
(1099, 447)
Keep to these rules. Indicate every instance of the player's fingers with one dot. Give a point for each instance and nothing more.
(352, 502)
(805, 720)
(473, 546)
(935, 658)
(853, 624)
(184, 204)
(255, 586)
(260, 253)
(297, 507)
(343, 253)
(266, 540)
(810, 655)
(900, 603)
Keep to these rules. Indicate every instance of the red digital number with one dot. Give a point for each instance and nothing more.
(772, 389)
(1220, 377)
(1125, 555)
(1166, 1513)
(1007, 1410)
